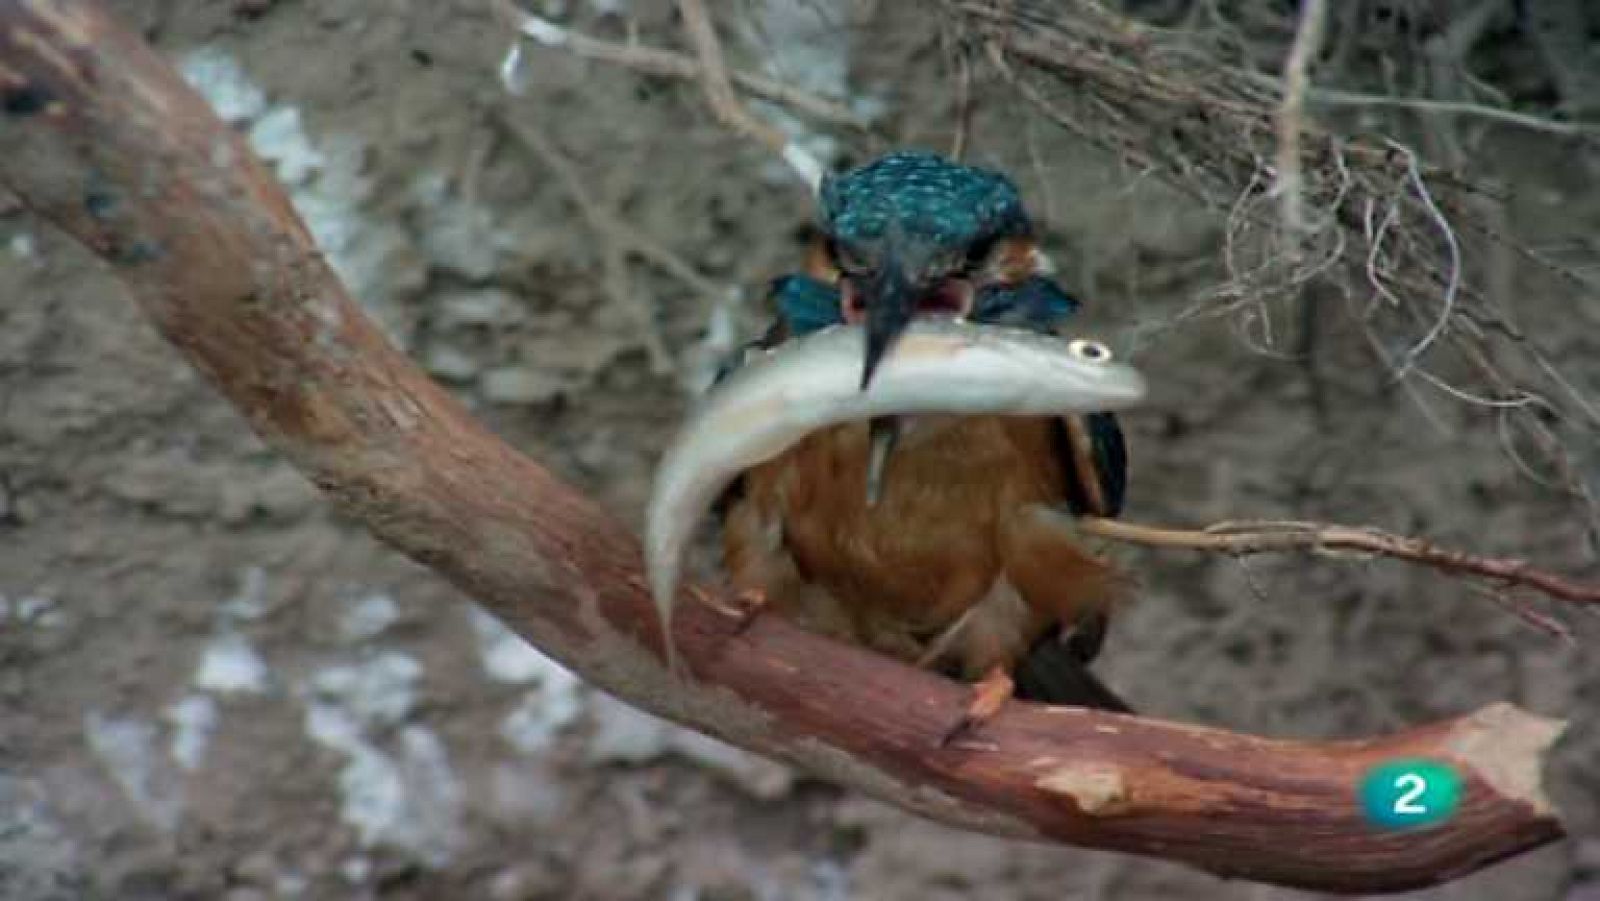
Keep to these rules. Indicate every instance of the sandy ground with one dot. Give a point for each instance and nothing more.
(212, 687)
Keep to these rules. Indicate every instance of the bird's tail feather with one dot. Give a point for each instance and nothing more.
(1055, 673)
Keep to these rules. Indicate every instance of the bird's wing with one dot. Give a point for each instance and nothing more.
(1095, 458)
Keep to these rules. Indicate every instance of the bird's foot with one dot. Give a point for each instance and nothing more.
(989, 695)
(746, 607)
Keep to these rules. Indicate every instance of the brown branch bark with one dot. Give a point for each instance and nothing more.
(100, 137)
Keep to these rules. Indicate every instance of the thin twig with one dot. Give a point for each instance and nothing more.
(1501, 597)
(656, 61)
(963, 124)
(1453, 263)
(715, 82)
(725, 103)
(607, 222)
(1329, 97)
(1319, 96)
(1244, 538)
(1291, 112)
(619, 238)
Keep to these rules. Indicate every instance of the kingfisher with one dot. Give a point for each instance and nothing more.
(943, 541)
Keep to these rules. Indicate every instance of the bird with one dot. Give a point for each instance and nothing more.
(946, 542)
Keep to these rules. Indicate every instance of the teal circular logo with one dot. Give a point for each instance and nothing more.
(1409, 794)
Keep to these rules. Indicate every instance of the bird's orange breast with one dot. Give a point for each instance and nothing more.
(950, 529)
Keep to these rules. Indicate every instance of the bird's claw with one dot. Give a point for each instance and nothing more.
(748, 604)
(989, 695)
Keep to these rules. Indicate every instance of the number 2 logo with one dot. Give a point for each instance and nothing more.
(1409, 793)
(1412, 787)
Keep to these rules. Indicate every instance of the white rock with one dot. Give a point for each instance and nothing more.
(533, 725)
(218, 78)
(516, 385)
(280, 138)
(194, 720)
(410, 801)
(623, 734)
(450, 362)
(486, 306)
(126, 747)
(757, 776)
(24, 247)
(376, 692)
(367, 617)
(230, 665)
(507, 658)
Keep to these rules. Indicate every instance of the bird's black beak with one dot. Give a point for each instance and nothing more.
(890, 300)
(891, 297)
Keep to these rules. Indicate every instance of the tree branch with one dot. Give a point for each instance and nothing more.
(1291, 112)
(99, 136)
(1241, 539)
(668, 64)
(714, 79)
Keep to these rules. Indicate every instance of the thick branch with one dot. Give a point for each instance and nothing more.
(101, 138)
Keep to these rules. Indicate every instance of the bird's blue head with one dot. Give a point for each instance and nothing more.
(913, 234)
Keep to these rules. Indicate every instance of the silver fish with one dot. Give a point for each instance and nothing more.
(779, 396)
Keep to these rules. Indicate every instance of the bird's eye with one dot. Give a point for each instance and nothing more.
(978, 254)
(1093, 351)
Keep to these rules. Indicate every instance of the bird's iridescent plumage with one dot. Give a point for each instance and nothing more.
(925, 196)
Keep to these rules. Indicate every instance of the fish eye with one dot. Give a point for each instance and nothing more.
(1093, 351)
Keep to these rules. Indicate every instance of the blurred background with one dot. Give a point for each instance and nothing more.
(213, 687)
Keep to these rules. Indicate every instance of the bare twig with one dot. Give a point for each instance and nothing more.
(1245, 538)
(213, 253)
(619, 238)
(714, 79)
(655, 61)
(603, 221)
(725, 103)
(1330, 97)
(964, 106)
(1161, 101)
(1452, 287)
(1291, 113)
(709, 69)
